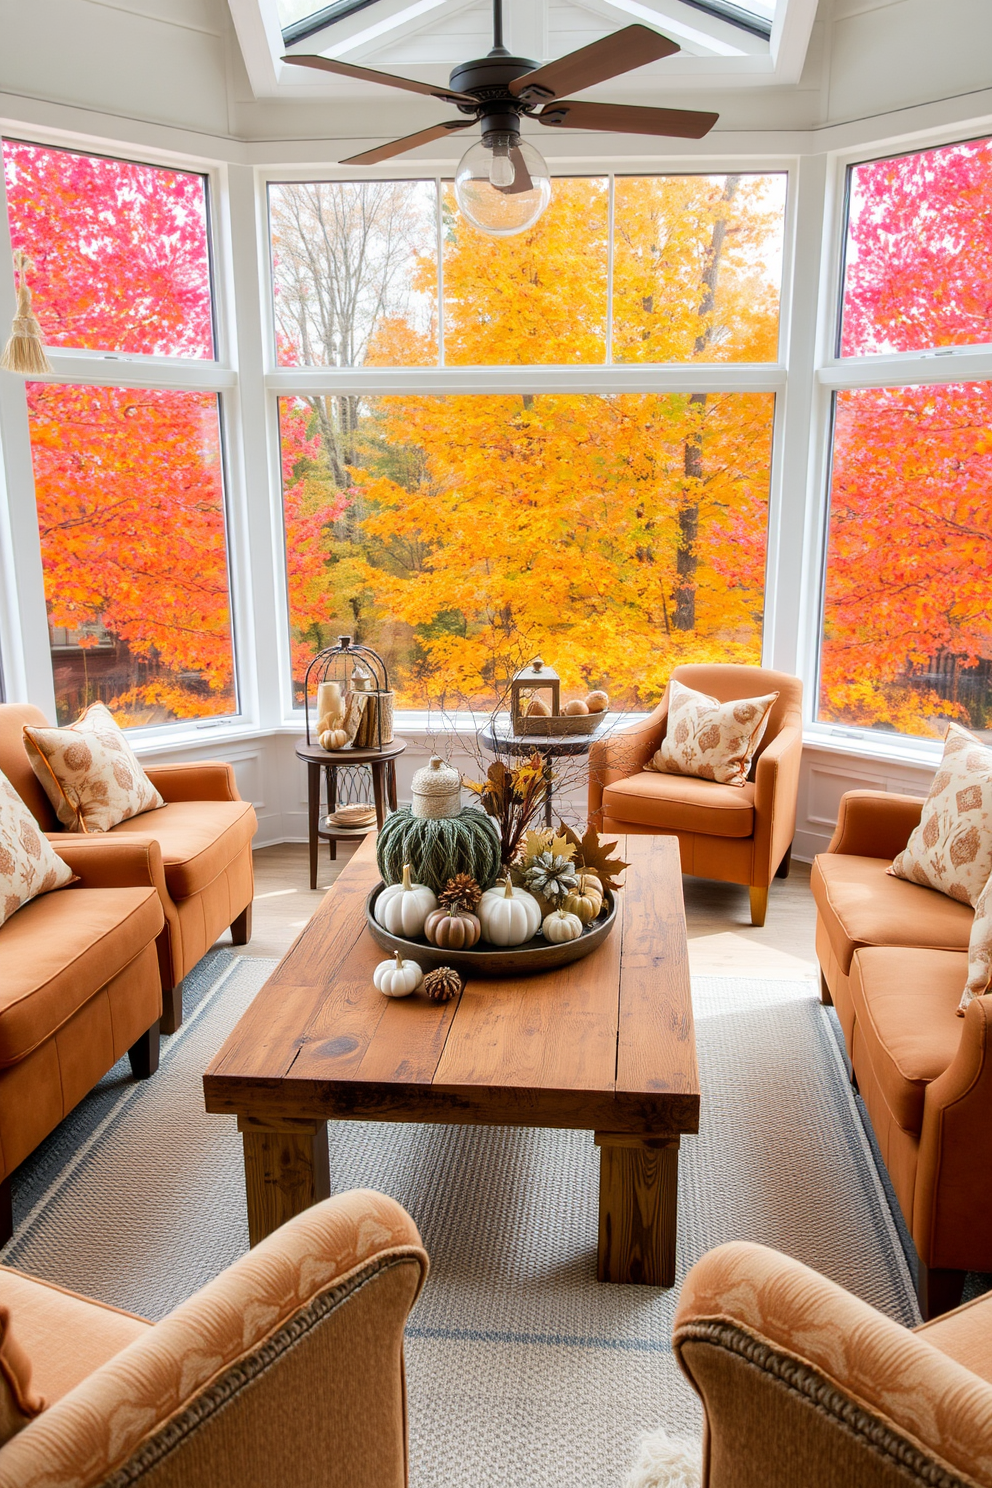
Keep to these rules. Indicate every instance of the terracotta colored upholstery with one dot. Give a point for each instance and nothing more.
(198, 849)
(59, 949)
(648, 799)
(860, 904)
(65, 1336)
(288, 1368)
(804, 1384)
(893, 960)
(737, 834)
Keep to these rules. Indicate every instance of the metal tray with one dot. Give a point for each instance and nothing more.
(483, 959)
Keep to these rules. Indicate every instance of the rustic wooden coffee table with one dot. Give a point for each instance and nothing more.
(606, 1045)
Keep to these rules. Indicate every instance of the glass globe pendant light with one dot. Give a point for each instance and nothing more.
(502, 184)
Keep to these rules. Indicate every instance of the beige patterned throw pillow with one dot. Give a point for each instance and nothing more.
(951, 849)
(90, 772)
(715, 741)
(29, 865)
(979, 951)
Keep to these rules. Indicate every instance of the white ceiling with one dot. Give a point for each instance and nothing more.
(426, 38)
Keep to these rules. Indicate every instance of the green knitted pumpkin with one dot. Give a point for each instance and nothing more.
(439, 847)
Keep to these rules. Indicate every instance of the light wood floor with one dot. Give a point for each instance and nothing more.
(722, 940)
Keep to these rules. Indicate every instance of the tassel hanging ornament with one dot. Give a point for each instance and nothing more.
(24, 352)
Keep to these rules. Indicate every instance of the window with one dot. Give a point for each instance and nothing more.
(618, 530)
(129, 481)
(906, 643)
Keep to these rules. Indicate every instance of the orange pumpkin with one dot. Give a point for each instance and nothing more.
(452, 929)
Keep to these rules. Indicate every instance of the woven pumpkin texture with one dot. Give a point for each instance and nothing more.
(439, 848)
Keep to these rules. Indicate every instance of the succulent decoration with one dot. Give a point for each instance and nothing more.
(551, 875)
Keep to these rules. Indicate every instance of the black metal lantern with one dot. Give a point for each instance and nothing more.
(357, 671)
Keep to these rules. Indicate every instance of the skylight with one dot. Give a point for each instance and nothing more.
(301, 18)
(751, 15)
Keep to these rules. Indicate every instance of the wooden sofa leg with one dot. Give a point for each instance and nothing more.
(825, 996)
(6, 1211)
(143, 1054)
(938, 1291)
(759, 906)
(782, 871)
(172, 1009)
(241, 929)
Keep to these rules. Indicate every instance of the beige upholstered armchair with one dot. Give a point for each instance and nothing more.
(287, 1369)
(739, 834)
(804, 1384)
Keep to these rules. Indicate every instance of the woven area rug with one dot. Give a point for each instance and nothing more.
(524, 1372)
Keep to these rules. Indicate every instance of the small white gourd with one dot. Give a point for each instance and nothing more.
(508, 916)
(560, 927)
(402, 908)
(396, 977)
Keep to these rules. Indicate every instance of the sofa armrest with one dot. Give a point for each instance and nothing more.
(621, 754)
(104, 862)
(875, 824)
(287, 1368)
(201, 780)
(776, 790)
(804, 1383)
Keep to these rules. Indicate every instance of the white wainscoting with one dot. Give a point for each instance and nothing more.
(274, 780)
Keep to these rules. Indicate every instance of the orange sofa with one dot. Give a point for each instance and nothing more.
(738, 834)
(287, 1368)
(805, 1386)
(894, 961)
(79, 987)
(200, 862)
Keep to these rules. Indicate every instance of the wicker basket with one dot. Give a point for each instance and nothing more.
(559, 725)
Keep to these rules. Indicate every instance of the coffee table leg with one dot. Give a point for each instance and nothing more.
(286, 1170)
(638, 1190)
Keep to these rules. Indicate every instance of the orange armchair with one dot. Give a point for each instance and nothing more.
(738, 834)
(804, 1384)
(199, 857)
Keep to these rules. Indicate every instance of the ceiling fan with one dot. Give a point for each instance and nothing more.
(502, 183)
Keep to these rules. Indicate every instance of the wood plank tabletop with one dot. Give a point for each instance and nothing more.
(606, 1043)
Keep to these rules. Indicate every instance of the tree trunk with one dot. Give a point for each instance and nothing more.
(687, 553)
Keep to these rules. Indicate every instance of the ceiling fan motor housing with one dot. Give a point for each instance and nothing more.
(488, 79)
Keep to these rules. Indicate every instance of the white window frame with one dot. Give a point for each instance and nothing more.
(24, 619)
(688, 377)
(833, 374)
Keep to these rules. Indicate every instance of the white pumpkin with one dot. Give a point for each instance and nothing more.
(402, 908)
(396, 977)
(508, 916)
(560, 927)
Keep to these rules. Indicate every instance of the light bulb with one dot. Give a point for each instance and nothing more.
(501, 170)
(502, 185)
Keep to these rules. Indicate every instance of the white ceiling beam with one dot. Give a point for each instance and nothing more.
(791, 31)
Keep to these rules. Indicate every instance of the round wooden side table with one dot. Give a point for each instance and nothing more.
(498, 737)
(381, 762)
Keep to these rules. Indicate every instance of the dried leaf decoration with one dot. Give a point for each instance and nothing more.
(596, 856)
(512, 798)
(544, 840)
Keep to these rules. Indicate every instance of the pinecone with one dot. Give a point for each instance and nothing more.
(551, 876)
(443, 984)
(460, 892)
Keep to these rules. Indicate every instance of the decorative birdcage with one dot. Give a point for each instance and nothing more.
(346, 688)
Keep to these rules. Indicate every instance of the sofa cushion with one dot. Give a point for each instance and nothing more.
(60, 949)
(861, 904)
(979, 951)
(29, 865)
(198, 839)
(20, 1402)
(89, 771)
(965, 1336)
(681, 803)
(905, 1004)
(65, 1336)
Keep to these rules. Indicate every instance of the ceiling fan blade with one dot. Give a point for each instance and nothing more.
(521, 175)
(622, 52)
(621, 118)
(408, 142)
(369, 75)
